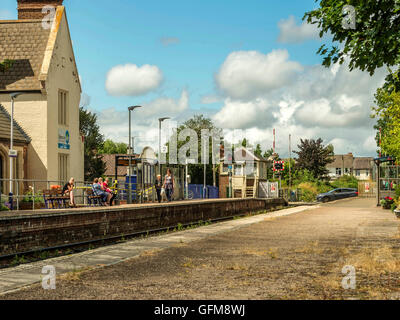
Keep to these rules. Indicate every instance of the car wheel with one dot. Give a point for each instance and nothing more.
(325, 200)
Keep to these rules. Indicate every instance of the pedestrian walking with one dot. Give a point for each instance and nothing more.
(169, 185)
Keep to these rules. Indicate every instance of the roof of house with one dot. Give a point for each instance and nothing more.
(30, 47)
(243, 154)
(342, 161)
(24, 42)
(20, 136)
(362, 163)
(109, 160)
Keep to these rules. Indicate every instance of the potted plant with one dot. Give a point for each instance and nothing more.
(388, 202)
(27, 201)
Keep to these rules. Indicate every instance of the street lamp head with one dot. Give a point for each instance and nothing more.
(163, 119)
(133, 108)
(15, 94)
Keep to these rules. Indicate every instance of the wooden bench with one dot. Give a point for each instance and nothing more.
(92, 199)
(54, 199)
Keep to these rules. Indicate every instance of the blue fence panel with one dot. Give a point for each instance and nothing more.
(133, 181)
(213, 192)
(198, 191)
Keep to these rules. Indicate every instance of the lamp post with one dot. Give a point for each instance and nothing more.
(130, 109)
(13, 96)
(160, 121)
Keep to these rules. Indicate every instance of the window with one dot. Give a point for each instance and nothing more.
(358, 173)
(338, 171)
(63, 167)
(238, 170)
(63, 107)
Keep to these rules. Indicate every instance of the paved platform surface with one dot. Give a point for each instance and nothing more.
(14, 278)
(297, 253)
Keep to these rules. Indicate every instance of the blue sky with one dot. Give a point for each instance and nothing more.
(189, 42)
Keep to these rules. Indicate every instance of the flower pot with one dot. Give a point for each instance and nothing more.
(397, 213)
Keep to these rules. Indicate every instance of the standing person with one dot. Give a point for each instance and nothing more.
(169, 185)
(68, 190)
(158, 186)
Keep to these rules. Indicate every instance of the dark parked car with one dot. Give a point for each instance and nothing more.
(337, 194)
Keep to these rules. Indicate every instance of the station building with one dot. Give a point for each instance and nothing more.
(46, 127)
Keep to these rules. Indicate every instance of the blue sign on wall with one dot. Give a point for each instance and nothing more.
(63, 139)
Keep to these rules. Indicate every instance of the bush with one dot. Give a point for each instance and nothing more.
(345, 182)
(308, 191)
(397, 190)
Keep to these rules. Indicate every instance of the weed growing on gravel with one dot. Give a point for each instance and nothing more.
(376, 261)
(18, 260)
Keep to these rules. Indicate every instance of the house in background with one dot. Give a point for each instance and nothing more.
(248, 170)
(45, 71)
(359, 167)
(363, 168)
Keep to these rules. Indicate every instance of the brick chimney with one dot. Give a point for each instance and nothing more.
(32, 9)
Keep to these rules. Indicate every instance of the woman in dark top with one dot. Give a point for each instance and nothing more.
(68, 190)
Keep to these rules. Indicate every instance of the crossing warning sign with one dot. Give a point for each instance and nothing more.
(279, 166)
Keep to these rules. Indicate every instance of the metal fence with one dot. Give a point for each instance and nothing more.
(28, 194)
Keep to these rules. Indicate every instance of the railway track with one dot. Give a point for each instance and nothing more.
(15, 259)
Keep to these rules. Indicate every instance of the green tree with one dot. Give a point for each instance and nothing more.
(387, 110)
(198, 123)
(94, 140)
(258, 151)
(111, 147)
(269, 153)
(314, 156)
(375, 41)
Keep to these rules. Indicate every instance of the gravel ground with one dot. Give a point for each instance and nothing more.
(293, 257)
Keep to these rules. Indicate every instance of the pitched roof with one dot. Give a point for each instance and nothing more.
(363, 163)
(109, 160)
(244, 154)
(342, 161)
(20, 136)
(24, 42)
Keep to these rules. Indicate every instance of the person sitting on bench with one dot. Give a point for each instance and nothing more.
(98, 191)
(104, 186)
(68, 190)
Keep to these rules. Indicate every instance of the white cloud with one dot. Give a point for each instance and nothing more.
(131, 80)
(370, 144)
(320, 113)
(331, 103)
(167, 41)
(290, 32)
(240, 115)
(114, 122)
(167, 106)
(246, 74)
